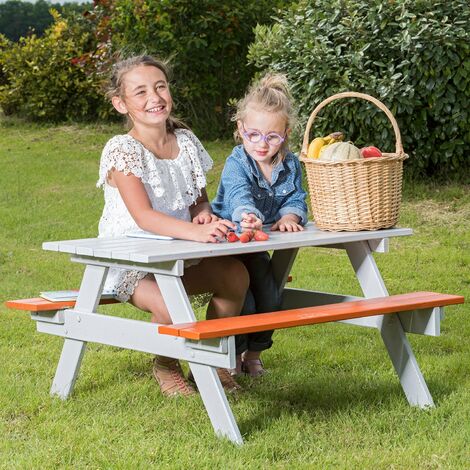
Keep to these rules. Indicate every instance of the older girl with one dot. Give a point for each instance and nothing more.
(154, 179)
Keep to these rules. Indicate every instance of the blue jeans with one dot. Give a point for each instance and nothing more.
(262, 296)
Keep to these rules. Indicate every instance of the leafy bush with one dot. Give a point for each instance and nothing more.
(59, 76)
(413, 55)
(21, 18)
(41, 80)
(4, 45)
(207, 41)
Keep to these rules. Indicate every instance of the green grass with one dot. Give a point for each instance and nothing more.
(332, 399)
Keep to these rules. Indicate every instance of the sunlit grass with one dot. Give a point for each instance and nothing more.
(331, 400)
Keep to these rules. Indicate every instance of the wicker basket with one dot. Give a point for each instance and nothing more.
(363, 194)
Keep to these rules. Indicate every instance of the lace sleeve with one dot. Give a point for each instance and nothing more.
(204, 158)
(123, 154)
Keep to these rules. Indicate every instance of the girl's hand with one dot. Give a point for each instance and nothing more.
(212, 232)
(205, 218)
(250, 222)
(288, 223)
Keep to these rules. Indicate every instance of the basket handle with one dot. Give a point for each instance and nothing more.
(353, 94)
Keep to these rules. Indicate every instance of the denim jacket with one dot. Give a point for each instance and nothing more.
(243, 188)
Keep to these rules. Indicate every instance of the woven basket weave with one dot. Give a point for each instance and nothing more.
(362, 194)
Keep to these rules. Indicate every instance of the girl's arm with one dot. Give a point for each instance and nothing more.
(295, 203)
(238, 192)
(293, 212)
(201, 210)
(138, 204)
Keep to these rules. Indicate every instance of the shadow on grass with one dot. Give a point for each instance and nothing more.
(327, 397)
(307, 395)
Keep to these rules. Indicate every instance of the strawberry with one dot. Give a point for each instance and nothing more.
(260, 236)
(245, 237)
(232, 237)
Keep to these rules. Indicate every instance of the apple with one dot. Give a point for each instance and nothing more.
(370, 152)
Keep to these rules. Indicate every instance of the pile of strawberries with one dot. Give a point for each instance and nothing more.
(245, 237)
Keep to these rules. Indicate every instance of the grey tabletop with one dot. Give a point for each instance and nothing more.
(154, 251)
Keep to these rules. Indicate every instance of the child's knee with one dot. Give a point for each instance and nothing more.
(161, 317)
(232, 277)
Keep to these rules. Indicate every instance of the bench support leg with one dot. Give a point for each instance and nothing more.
(68, 367)
(207, 380)
(73, 350)
(393, 335)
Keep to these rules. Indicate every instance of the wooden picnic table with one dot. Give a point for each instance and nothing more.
(165, 259)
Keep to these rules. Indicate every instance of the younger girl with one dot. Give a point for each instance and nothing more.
(154, 179)
(262, 184)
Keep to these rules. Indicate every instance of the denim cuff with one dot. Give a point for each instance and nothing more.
(237, 213)
(259, 345)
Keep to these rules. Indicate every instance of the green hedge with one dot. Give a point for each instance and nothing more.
(19, 18)
(40, 80)
(60, 75)
(5, 44)
(207, 41)
(413, 55)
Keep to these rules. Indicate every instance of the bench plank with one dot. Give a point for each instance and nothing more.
(38, 304)
(221, 327)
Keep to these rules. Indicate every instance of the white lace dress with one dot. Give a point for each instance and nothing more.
(172, 186)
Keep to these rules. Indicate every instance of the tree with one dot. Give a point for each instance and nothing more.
(19, 18)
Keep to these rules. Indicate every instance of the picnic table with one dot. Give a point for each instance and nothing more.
(165, 259)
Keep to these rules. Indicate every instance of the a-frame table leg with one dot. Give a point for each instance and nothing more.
(282, 261)
(391, 330)
(207, 380)
(73, 350)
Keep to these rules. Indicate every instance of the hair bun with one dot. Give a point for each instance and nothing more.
(275, 81)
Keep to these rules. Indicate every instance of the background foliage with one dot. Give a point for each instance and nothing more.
(41, 80)
(19, 19)
(412, 55)
(207, 41)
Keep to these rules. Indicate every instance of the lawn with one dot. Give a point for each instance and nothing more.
(331, 400)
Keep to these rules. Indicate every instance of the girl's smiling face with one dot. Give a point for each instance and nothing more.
(147, 99)
(265, 123)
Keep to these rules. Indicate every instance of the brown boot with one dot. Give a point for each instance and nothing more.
(168, 374)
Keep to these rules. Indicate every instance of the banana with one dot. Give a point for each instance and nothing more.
(315, 147)
(319, 143)
(334, 137)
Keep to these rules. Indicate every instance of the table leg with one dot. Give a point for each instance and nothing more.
(68, 367)
(391, 330)
(73, 350)
(207, 380)
(282, 261)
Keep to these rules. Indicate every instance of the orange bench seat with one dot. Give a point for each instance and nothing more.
(222, 327)
(38, 304)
